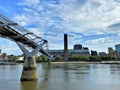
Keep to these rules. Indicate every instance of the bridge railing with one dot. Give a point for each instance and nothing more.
(21, 30)
(21, 34)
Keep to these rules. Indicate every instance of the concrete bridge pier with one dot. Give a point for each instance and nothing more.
(29, 72)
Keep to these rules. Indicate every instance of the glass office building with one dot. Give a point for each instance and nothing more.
(117, 47)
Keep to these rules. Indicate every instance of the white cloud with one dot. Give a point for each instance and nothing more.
(29, 2)
(9, 47)
(4, 9)
(100, 41)
(88, 14)
(101, 44)
(114, 28)
(22, 20)
(89, 17)
(96, 41)
(36, 31)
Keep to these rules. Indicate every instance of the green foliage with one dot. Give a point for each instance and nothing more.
(91, 58)
(14, 58)
(113, 58)
(42, 58)
(29, 68)
(94, 58)
(57, 58)
(107, 58)
(78, 58)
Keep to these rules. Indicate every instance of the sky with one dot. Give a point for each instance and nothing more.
(93, 23)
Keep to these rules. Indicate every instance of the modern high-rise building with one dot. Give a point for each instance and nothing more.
(102, 54)
(93, 53)
(78, 46)
(110, 50)
(117, 47)
(0, 52)
(85, 48)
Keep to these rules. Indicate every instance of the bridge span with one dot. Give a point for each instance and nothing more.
(25, 40)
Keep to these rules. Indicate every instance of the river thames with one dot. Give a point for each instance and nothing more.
(63, 77)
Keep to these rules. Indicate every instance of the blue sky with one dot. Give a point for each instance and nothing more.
(93, 23)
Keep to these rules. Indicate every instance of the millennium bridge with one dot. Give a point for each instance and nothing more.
(28, 42)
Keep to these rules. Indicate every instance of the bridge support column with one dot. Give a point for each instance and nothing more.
(29, 72)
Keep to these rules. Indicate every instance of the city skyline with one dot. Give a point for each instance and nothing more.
(92, 23)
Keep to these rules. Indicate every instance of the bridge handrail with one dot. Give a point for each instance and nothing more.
(19, 30)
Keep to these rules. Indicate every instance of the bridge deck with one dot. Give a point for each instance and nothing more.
(17, 33)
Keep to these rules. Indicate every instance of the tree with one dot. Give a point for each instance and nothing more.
(14, 57)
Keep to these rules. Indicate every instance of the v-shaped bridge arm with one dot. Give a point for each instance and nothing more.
(33, 52)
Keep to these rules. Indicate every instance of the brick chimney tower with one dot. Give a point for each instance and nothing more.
(65, 47)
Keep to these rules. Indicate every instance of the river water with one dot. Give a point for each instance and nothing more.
(63, 77)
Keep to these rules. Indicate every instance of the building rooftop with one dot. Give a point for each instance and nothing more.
(69, 50)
